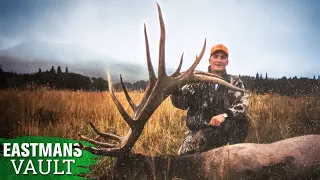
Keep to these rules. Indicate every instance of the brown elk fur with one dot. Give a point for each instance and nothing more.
(293, 158)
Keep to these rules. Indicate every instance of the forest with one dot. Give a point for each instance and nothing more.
(58, 79)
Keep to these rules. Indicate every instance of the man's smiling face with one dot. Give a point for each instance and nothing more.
(218, 61)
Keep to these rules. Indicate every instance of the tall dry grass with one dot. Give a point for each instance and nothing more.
(275, 117)
(66, 113)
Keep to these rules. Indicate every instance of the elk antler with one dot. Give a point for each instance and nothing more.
(159, 88)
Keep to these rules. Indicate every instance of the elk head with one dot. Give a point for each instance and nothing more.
(158, 89)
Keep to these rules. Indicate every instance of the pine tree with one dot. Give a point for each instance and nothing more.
(59, 70)
(256, 85)
(40, 70)
(67, 70)
(53, 70)
(257, 76)
(266, 75)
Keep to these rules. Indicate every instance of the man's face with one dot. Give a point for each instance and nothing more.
(218, 61)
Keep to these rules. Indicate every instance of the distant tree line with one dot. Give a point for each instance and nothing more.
(59, 79)
(53, 78)
(291, 86)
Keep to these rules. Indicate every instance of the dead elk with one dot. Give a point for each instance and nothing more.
(293, 158)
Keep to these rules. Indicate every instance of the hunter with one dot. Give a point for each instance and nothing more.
(216, 115)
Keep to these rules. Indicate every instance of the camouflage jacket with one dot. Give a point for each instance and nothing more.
(205, 100)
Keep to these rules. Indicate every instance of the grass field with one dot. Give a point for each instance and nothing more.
(66, 113)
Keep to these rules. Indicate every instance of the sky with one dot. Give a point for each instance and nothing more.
(280, 37)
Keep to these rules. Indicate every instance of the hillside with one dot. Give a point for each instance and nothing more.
(27, 57)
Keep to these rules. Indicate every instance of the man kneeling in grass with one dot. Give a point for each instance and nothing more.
(216, 115)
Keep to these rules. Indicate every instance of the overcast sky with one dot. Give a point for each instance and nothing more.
(280, 37)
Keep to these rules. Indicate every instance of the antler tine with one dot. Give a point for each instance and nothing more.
(207, 74)
(105, 135)
(198, 59)
(97, 143)
(152, 76)
(132, 105)
(111, 152)
(211, 78)
(177, 72)
(124, 114)
(161, 68)
(162, 64)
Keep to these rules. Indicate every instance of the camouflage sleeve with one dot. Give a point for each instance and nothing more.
(182, 98)
(239, 107)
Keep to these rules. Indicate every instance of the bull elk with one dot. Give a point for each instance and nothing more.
(290, 158)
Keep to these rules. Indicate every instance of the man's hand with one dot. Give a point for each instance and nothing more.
(217, 120)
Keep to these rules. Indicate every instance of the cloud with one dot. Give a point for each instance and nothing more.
(263, 36)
